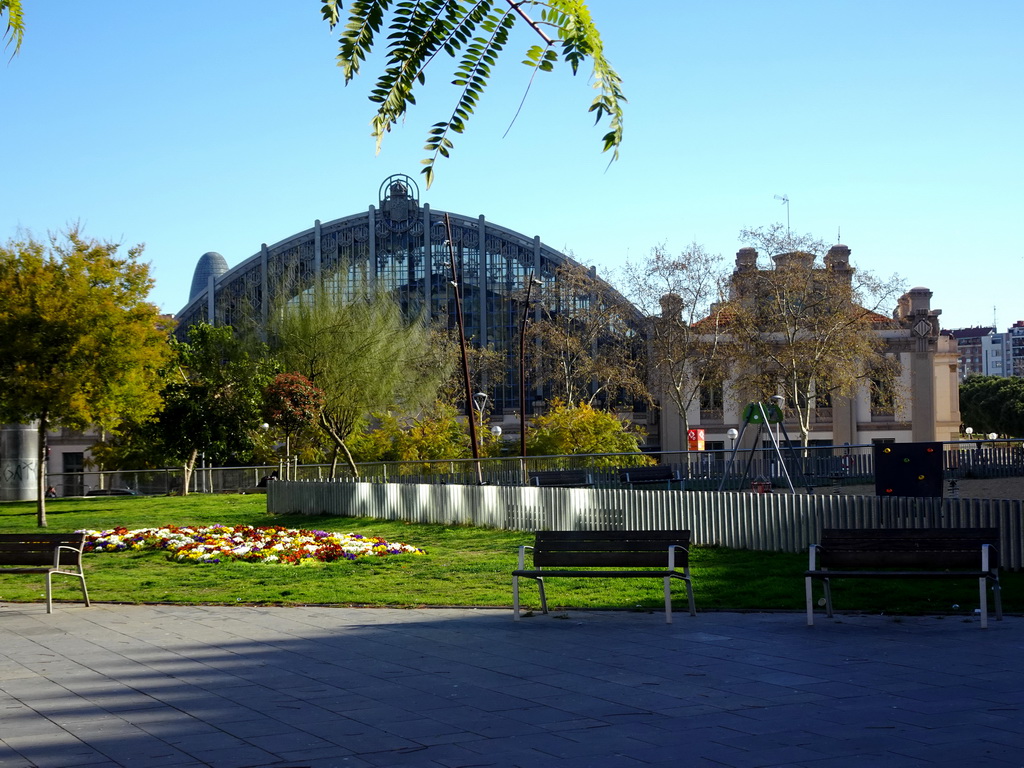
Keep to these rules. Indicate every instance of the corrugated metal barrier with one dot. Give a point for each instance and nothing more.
(778, 522)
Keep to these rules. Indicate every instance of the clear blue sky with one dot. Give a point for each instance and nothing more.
(192, 127)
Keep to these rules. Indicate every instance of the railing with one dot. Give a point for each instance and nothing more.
(817, 467)
(767, 522)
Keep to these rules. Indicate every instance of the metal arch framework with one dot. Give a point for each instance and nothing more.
(399, 246)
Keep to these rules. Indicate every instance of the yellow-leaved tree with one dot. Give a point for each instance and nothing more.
(79, 344)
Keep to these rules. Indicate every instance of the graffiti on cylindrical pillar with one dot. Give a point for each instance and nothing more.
(19, 448)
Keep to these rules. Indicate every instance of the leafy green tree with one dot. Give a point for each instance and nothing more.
(80, 345)
(993, 404)
(583, 429)
(362, 353)
(436, 436)
(213, 402)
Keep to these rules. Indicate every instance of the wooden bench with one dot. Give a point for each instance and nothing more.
(562, 478)
(47, 553)
(609, 554)
(961, 553)
(649, 475)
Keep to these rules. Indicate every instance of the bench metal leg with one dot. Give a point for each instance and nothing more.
(85, 592)
(49, 588)
(828, 597)
(515, 598)
(983, 595)
(809, 588)
(668, 599)
(997, 598)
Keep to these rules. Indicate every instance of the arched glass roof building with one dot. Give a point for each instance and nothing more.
(399, 245)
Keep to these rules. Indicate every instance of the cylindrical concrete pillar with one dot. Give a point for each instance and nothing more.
(19, 462)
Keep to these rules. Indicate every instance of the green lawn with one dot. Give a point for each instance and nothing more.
(463, 566)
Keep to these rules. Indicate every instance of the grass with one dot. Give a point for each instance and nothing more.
(464, 566)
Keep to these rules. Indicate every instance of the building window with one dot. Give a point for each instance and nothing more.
(72, 465)
(711, 404)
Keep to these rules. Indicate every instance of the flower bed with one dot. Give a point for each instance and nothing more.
(214, 543)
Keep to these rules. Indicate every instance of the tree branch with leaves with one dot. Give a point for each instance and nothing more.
(475, 33)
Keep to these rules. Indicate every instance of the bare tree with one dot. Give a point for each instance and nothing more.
(586, 345)
(806, 330)
(681, 296)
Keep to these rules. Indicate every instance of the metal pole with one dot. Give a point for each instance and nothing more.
(465, 358)
(522, 365)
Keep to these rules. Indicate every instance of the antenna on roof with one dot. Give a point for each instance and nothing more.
(839, 234)
(785, 202)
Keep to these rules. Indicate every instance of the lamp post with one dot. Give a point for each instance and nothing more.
(266, 428)
(780, 402)
(531, 281)
(480, 401)
(732, 434)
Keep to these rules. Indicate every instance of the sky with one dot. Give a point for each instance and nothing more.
(200, 126)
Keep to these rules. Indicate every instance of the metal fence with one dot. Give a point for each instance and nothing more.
(817, 467)
(768, 522)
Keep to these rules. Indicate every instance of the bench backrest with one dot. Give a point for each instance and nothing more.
(38, 548)
(937, 548)
(561, 477)
(647, 474)
(635, 549)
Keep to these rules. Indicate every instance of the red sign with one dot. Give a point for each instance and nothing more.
(695, 439)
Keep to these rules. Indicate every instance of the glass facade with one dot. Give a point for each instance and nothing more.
(406, 248)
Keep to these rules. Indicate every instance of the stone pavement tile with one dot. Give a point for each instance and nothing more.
(415, 700)
(340, 730)
(872, 760)
(255, 725)
(301, 757)
(55, 751)
(441, 755)
(425, 730)
(492, 726)
(136, 747)
(290, 741)
(380, 715)
(589, 706)
(607, 761)
(235, 757)
(335, 700)
(373, 740)
(548, 718)
(333, 761)
(26, 722)
(964, 753)
(703, 753)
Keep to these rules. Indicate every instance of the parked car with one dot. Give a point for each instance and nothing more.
(112, 492)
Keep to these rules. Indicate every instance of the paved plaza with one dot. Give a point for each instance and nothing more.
(233, 687)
